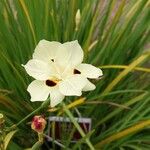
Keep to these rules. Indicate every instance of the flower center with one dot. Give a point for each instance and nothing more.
(50, 83)
(75, 71)
(52, 60)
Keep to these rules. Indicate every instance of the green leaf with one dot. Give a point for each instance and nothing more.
(8, 138)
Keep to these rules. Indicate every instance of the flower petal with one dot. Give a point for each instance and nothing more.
(38, 69)
(55, 96)
(89, 71)
(46, 51)
(38, 90)
(73, 85)
(89, 86)
(70, 54)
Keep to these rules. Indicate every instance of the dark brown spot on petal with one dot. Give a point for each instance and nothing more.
(52, 60)
(76, 71)
(50, 83)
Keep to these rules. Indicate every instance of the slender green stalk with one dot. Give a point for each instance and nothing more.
(23, 5)
(128, 103)
(126, 71)
(77, 126)
(37, 145)
(124, 133)
(124, 67)
(43, 105)
(82, 140)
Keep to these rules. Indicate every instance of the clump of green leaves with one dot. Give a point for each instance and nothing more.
(115, 37)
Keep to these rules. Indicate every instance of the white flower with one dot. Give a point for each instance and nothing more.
(59, 72)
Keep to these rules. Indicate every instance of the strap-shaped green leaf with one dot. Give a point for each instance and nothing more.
(8, 138)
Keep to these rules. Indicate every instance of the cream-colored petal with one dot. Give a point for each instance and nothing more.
(38, 69)
(73, 85)
(46, 50)
(89, 71)
(89, 86)
(38, 90)
(55, 96)
(70, 54)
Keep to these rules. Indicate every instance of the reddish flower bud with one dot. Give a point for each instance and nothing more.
(38, 124)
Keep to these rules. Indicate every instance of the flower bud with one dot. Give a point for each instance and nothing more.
(77, 19)
(38, 124)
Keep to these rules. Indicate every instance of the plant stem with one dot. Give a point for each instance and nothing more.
(43, 105)
(41, 137)
(37, 145)
(67, 111)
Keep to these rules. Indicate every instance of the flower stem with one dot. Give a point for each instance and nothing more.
(37, 145)
(67, 111)
(43, 105)
(41, 137)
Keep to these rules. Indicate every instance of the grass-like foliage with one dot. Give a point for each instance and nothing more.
(114, 35)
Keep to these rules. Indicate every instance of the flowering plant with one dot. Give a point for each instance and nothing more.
(55, 79)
